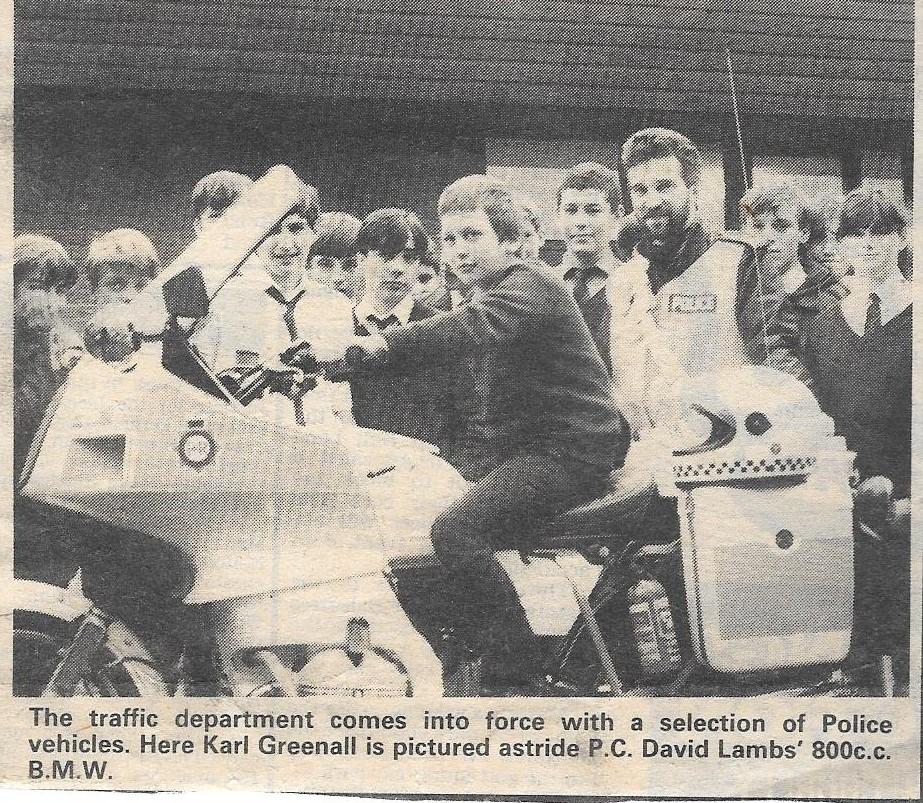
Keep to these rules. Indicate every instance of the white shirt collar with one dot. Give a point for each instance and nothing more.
(265, 281)
(606, 264)
(894, 293)
(793, 278)
(402, 310)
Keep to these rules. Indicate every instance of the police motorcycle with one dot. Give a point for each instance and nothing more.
(266, 547)
(290, 565)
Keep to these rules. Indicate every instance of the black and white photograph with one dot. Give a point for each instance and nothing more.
(425, 349)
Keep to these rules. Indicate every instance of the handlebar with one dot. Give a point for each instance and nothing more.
(249, 384)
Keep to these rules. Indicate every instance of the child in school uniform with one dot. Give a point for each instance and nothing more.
(858, 349)
(44, 350)
(391, 246)
(794, 281)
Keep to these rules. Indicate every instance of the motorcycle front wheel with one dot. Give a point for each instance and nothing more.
(39, 641)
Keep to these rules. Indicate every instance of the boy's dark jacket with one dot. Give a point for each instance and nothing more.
(538, 382)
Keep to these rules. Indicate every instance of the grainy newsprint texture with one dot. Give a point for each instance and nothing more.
(460, 398)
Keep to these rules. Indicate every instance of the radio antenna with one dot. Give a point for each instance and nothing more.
(743, 170)
(740, 137)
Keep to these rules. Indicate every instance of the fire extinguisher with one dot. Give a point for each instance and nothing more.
(653, 628)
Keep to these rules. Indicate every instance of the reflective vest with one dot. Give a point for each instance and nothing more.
(688, 327)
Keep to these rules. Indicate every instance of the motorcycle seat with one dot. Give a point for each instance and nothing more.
(621, 510)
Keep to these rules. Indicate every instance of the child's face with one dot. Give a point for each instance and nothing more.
(284, 251)
(824, 255)
(779, 228)
(36, 305)
(342, 275)
(471, 248)
(118, 283)
(873, 257)
(388, 280)
(587, 221)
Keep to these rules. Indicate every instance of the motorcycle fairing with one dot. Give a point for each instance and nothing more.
(314, 619)
(186, 286)
(272, 506)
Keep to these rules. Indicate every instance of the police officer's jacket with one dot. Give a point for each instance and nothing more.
(717, 312)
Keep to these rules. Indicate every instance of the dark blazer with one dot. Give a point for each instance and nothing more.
(796, 314)
(597, 312)
(419, 404)
(538, 382)
(863, 382)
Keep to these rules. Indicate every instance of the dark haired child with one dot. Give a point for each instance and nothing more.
(44, 348)
(392, 247)
(332, 258)
(542, 430)
(859, 351)
(214, 193)
(589, 206)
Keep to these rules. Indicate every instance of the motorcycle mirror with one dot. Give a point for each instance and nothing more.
(185, 295)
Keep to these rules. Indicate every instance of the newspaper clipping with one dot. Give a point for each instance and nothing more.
(463, 398)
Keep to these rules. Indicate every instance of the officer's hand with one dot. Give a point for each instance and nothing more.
(873, 502)
(110, 336)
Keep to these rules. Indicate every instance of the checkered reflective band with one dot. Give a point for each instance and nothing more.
(776, 467)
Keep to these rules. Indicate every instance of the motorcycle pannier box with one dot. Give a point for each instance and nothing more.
(769, 574)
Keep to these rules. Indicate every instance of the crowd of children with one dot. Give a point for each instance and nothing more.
(532, 379)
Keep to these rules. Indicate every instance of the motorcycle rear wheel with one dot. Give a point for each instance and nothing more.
(39, 639)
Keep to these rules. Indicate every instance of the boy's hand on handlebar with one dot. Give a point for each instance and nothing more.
(352, 352)
(295, 383)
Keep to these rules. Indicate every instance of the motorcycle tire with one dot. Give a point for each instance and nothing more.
(38, 640)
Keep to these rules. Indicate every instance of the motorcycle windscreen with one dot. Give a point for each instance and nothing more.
(187, 285)
(769, 575)
(256, 504)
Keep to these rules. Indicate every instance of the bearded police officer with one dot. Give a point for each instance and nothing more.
(674, 313)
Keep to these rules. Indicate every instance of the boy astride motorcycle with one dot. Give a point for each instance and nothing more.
(545, 433)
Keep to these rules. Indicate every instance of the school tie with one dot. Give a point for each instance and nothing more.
(288, 318)
(382, 323)
(580, 283)
(873, 315)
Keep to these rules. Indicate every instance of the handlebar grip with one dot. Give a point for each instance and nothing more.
(301, 356)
